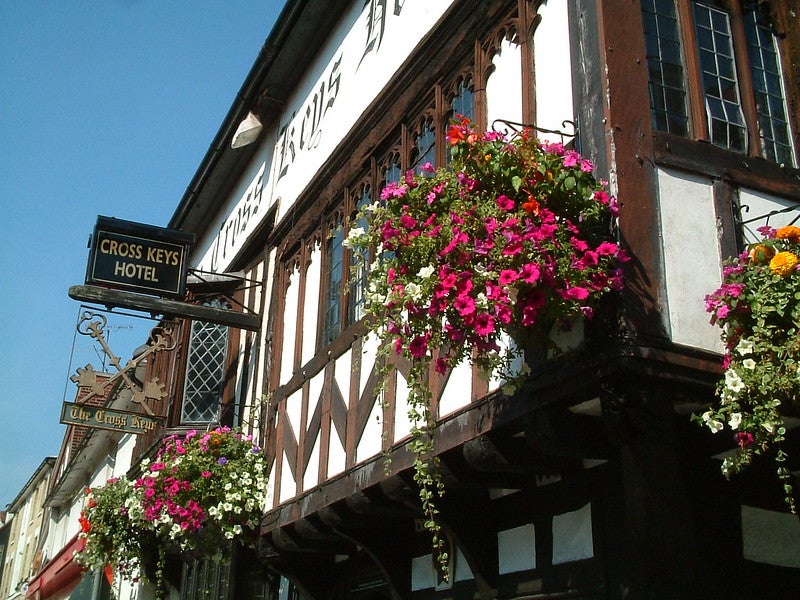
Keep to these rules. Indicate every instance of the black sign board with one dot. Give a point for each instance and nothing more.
(141, 258)
(98, 417)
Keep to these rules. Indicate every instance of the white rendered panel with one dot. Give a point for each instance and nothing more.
(311, 306)
(336, 455)
(370, 443)
(516, 549)
(504, 87)
(402, 424)
(294, 412)
(760, 209)
(311, 475)
(368, 354)
(572, 536)
(289, 328)
(343, 369)
(270, 500)
(315, 391)
(458, 391)
(552, 65)
(691, 256)
(288, 484)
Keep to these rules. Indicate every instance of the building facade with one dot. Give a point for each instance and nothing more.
(27, 530)
(591, 481)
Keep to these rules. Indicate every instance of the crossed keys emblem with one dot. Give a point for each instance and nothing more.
(161, 338)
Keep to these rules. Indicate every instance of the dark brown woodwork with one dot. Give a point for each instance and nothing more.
(706, 159)
(629, 133)
(160, 306)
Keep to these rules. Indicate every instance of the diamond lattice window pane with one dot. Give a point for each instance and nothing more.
(205, 371)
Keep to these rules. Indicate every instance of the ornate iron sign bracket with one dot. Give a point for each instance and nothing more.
(161, 338)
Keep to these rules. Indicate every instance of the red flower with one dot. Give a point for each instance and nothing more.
(531, 206)
(456, 134)
(86, 526)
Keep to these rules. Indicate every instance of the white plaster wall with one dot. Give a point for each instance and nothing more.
(553, 68)
(458, 391)
(311, 475)
(370, 443)
(336, 455)
(294, 408)
(402, 424)
(311, 309)
(343, 369)
(289, 328)
(770, 537)
(692, 261)
(763, 209)
(270, 497)
(504, 87)
(124, 456)
(288, 484)
(572, 536)
(517, 549)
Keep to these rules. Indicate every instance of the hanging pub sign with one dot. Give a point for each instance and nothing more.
(98, 417)
(141, 258)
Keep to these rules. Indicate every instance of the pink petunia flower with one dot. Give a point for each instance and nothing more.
(504, 202)
(507, 276)
(464, 304)
(418, 347)
(484, 324)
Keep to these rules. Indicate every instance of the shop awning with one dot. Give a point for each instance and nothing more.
(61, 573)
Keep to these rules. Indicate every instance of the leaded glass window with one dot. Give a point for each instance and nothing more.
(665, 67)
(332, 315)
(720, 84)
(359, 260)
(765, 70)
(205, 370)
(424, 150)
(205, 579)
(463, 101)
(391, 172)
(732, 113)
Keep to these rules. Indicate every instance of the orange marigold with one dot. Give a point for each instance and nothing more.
(761, 253)
(783, 263)
(790, 233)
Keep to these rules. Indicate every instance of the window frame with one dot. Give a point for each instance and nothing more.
(698, 116)
(227, 370)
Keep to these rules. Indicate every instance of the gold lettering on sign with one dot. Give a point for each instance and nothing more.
(131, 270)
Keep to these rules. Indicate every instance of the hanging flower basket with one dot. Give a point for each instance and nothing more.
(513, 234)
(202, 491)
(758, 309)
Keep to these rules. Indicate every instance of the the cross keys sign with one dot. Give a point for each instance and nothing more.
(161, 338)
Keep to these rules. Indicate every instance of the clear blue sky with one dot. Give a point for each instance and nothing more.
(107, 108)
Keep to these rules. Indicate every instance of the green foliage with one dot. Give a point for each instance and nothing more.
(512, 235)
(758, 309)
(202, 492)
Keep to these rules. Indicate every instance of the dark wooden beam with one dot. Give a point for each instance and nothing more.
(160, 306)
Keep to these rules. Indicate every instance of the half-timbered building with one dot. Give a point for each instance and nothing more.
(590, 481)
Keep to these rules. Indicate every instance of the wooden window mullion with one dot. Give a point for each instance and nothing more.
(698, 118)
(745, 77)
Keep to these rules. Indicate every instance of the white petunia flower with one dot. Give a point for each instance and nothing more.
(414, 291)
(352, 235)
(733, 382)
(425, 272)
(749, 363)
(744, 347)
(713, 424)
(735, 420)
